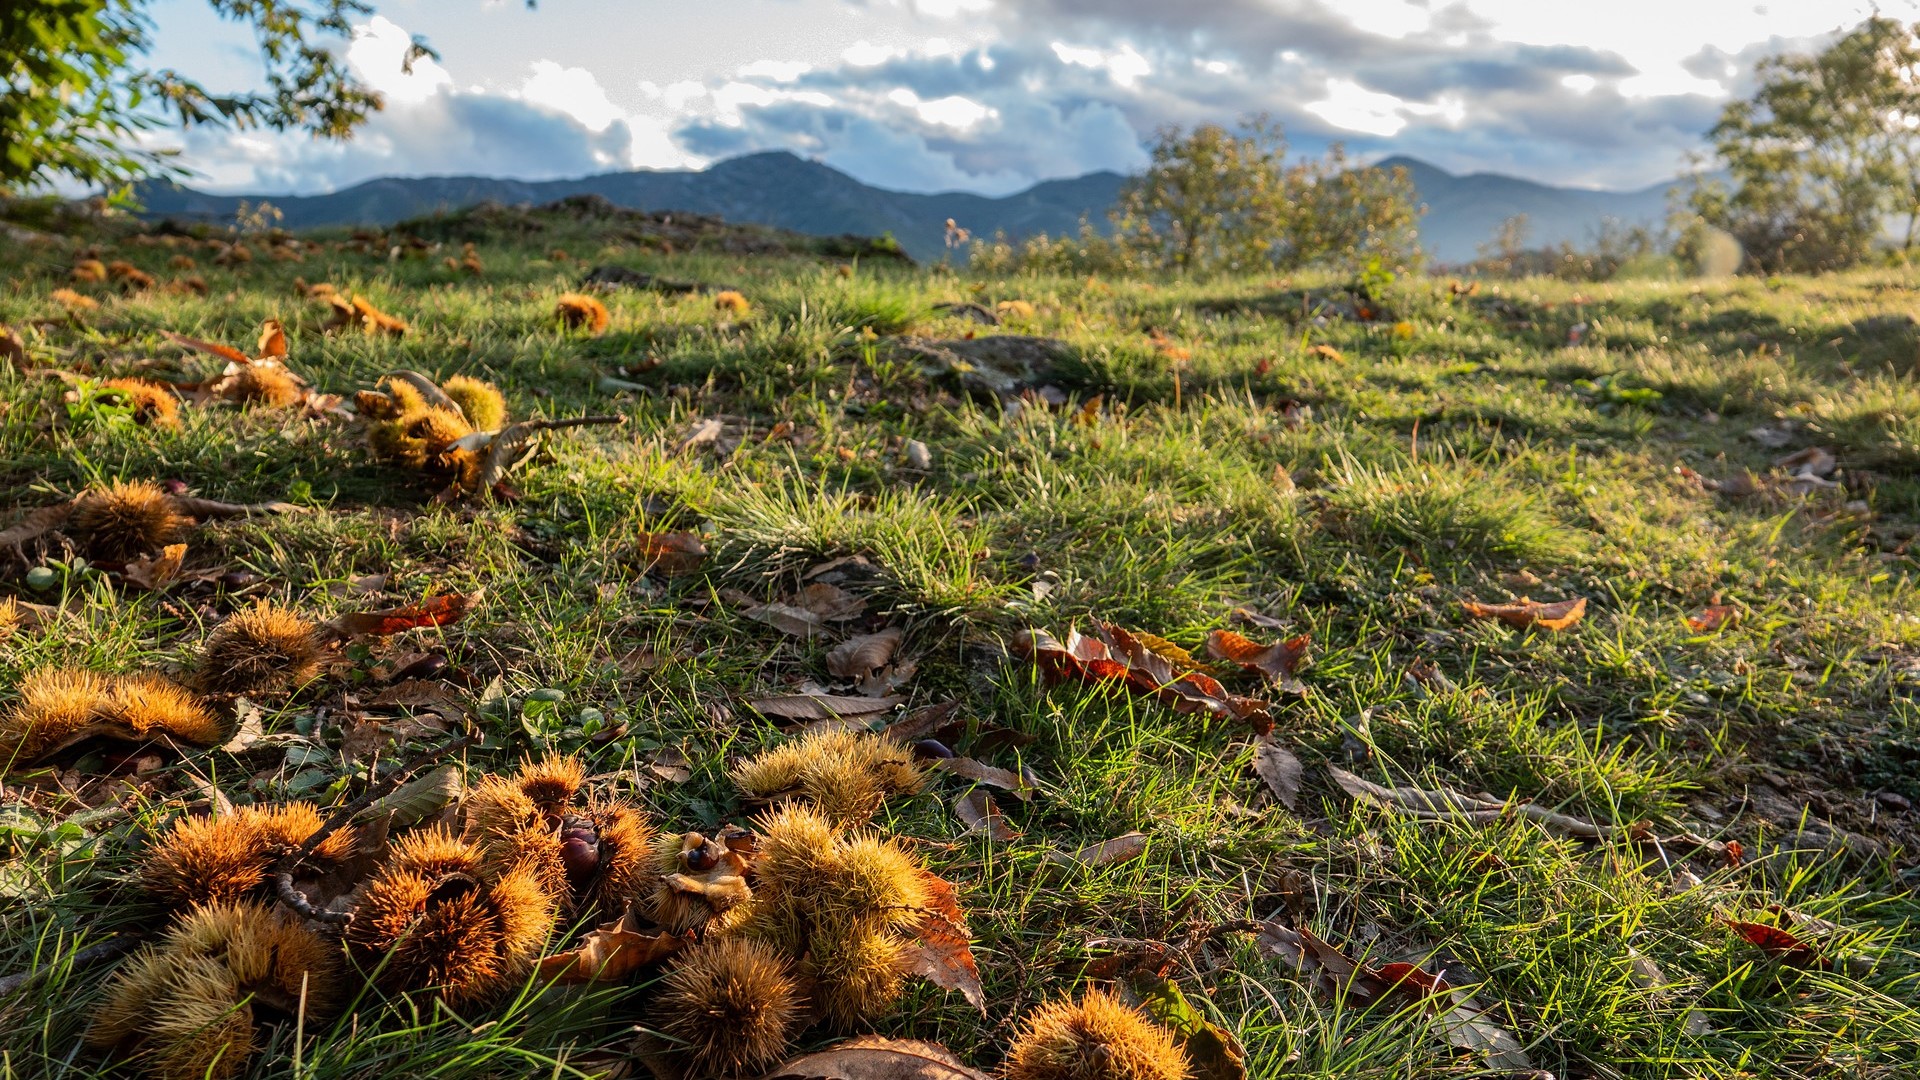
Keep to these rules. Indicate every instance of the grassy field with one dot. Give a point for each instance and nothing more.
(1191, 449)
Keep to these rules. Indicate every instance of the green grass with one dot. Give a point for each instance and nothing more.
(1479, 458)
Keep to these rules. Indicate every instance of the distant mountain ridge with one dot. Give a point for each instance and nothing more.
(783, 190)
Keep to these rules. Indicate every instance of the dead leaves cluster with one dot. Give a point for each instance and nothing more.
(1157, 668)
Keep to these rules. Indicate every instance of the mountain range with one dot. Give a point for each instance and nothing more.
(780, 189)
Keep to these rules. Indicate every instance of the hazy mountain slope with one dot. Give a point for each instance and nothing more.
(783, 190)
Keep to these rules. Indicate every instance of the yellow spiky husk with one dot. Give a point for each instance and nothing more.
(484, 406)
(579, 311)
(185, 1008)
(858, 970)
(127, 519)
(226, 859)
(732, 1005)
(263, 649)
(553, 781)
(1096, 1038)
(436, 921)
(154, 705)
(54, 706)
(265, 384)
(876, 880)
(846, 775)
(797, 850)
(732, 302)
(153, 404)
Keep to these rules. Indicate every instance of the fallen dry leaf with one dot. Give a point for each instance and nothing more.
(1713, 617)
(1120, 655)
(1281, 770)
(36, 524)
(1444, 803)
(13, 350)
(822, 706)
(1276, 662)
(855, 657)
(830, 602)
(156, 572)
(871, 1057)
(673, 554)
(1526, 613)
(969, 769)
(1781, 944)
(1104, 853)
(433, 611)
(978, 813)
(942, 951)
(611, 952)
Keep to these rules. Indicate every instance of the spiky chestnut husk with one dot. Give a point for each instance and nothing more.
(857, 968)
(579, 311)
(484, 406)
(1096, 1038)
(153, 705)
(553, 781)
(263, 649)
(418, 438)
(265, 384)
(432, 919)
(226, 859)
(797, 847)
(875, 881)
(732, 1004)
(152, 404)
(54, 706)
(625, 868)
(186, 1007)
(699, 885)
(88, 272)
(127, 519)
(845, 775)
(731, 301)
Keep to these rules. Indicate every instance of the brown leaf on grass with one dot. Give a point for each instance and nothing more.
(1281, 770)
(855, 657)
(611, 952)
(433, 611)
(1121, 655)
(673, 554)
(981, 773)
(1211, 1049)
(871, 1057)
(156, 572)
(1105, 853)
(1526, 613)
(1781, 944)
(978, 813)
(359, 311)
(1713, 617)
(924, 721)
(214, 508)
(13, 349)
(1276, 662)
(785, 618)
(830, 602)
(273, 341)
(1814, 461)
(942, 951)
(822, 706)
(1326, 352)
(705, 432)
(21, 615)
(36, 524)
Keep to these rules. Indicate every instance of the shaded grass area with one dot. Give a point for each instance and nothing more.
(1475, 455)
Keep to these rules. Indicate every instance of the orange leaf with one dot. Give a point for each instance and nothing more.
(225, 352)
(273, 341)
(433, 611)
(943, 951)
(1712, 617)
(611, 952)
(1276, 662)
(1413, 980)
(1530, 613)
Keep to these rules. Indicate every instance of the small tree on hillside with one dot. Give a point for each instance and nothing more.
(1823, 153)
(1220, 200)
(76, 98)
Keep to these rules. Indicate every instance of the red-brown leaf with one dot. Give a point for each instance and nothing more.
(1780, 944)
(224, 352)
(673, 554)
(612, 952)
(1528, 613)
(433, 611)
(1712, 617)
(943, 950)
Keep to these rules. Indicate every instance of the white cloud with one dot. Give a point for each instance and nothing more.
(378, 56)
(1124, 65)
(570, 90)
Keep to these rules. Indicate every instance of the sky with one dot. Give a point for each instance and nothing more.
(992, 96)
